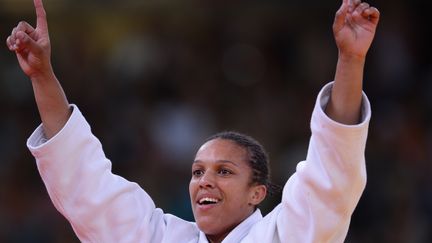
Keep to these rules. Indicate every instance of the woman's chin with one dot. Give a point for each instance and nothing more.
(207, 225)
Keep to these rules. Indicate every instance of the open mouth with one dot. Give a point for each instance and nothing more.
(208, 201)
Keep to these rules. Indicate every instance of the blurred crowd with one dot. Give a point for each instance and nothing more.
(155, 78)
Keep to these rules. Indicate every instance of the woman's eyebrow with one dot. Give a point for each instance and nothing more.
(219, 162)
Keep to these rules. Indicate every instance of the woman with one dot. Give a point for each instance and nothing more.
(229, 173)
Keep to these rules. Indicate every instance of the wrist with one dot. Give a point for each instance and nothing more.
(349, 57)
(42, 77)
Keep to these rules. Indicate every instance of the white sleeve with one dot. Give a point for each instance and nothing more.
(320, 197)
(101, 206)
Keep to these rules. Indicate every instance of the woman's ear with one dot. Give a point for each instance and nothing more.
(258, 193)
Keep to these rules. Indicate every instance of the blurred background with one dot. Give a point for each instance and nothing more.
(155, 78)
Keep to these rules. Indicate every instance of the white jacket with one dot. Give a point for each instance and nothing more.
(317, 201)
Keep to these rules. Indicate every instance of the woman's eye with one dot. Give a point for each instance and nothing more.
(225, 172)
(197, 172)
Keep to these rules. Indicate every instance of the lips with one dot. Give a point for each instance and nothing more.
(207, 201)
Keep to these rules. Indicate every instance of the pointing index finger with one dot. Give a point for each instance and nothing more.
(41, 22)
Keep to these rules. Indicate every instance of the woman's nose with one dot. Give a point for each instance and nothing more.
(207, 180)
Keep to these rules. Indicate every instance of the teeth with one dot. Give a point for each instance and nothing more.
(208, 199)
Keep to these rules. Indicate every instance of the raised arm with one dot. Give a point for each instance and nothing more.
(354, 29)
(319, 198)
(33, 50)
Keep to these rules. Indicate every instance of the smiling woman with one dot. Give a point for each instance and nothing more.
(223, 189)
(230, 175)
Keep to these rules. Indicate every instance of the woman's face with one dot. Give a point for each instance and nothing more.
(221, 191)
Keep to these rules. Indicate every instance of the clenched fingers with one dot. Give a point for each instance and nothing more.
(13, 41)
(372, 14)
(22, 41)
(26, 27)
(361, 8)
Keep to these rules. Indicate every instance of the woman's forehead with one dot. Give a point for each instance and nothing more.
(221, 149)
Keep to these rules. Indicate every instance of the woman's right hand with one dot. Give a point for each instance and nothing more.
(32, 45)
(33, 50)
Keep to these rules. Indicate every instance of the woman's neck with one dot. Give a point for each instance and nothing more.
(217, 238)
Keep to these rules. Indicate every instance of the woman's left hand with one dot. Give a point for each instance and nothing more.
(354, 27)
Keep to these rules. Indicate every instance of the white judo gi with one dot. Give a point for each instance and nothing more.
(317, 200)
